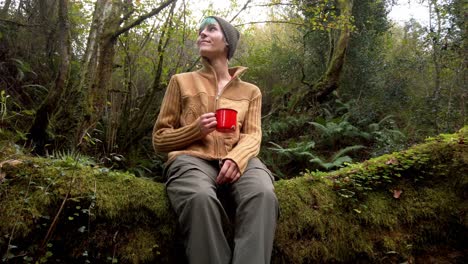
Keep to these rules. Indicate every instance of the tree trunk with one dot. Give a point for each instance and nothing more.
(109, 22)
(75, 111)
(97, 70)
(38, 131)
(329, 81)
(436, 59)
(140, 125)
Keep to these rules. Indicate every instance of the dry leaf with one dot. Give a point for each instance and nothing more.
(11, 162)
(397, 193)
(392, 161)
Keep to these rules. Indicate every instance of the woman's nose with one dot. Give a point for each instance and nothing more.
(203, 33)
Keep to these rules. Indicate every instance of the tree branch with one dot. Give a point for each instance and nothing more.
(142, 18)
(242, 9)
(270, 21)
(130, 10)
(19, 23)
(274, 4)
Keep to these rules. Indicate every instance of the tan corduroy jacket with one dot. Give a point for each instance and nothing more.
(188, 96)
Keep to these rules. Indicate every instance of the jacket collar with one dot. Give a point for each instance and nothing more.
(208, 71)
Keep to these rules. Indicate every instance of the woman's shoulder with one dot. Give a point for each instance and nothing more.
(248, 85)
(252, 89)
(182, 75)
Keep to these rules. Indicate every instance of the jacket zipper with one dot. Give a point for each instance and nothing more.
(218, 95)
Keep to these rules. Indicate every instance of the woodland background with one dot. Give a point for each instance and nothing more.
(348, 99)
(341, 83)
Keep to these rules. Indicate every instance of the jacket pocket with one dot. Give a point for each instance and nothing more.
(231, 139)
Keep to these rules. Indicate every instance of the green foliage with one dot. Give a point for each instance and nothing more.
(283, 127)
(72, 158)
(386, 136)
(329, 142)
(273, 54)
(393, 72)
(338, 159)
(299, 152)
(334, 131)
(301, 155)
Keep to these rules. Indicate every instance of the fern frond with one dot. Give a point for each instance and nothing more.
(319, 162)
(344, 151)
(385, 119)
(340, 161)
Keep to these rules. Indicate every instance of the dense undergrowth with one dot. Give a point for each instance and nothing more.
(405, 206)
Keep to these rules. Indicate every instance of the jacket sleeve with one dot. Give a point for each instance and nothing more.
(250, 136)
(167, 133)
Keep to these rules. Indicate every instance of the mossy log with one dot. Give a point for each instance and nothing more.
(390, 209)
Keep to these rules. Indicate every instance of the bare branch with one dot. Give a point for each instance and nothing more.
(274, 4)
(19, 24)
(142, 18)
(270, 22)
(242, 9)
(127, 15)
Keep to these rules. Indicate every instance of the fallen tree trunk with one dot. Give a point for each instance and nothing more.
(390, 209)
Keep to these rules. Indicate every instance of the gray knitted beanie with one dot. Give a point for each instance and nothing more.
(230, 34)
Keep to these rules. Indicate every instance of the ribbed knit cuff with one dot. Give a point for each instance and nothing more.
(176, 139)
(248, 148)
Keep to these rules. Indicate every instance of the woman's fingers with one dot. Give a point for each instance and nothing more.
(229, 172)
(207, 123)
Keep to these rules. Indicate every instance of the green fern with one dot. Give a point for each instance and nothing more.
(374, 127)
(346, 150)
(66, 154)
(71, 157)
(337, 160)
(385, 135)
(302, 150)
(333, 131)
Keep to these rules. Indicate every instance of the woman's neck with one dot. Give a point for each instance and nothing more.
(221, 69)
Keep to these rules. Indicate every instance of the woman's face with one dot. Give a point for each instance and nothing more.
(210, 41)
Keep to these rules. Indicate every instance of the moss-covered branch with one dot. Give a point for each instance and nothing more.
(384, 210)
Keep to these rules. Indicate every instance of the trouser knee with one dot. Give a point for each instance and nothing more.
(202, 198)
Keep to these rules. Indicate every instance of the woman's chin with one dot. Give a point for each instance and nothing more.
(205, 53)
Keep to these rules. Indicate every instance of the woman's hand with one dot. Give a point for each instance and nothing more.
(229, 172)
(207, 123)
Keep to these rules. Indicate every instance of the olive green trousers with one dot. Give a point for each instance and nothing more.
(193, 193)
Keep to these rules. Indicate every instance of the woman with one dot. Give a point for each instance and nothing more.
(203, 161)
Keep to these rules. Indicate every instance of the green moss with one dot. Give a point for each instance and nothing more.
(314, 226)
(143, 247)
(34, 191)
(377, 211)
(344, 216)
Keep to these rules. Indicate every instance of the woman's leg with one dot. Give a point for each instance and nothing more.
(192, 192)
(256, 215)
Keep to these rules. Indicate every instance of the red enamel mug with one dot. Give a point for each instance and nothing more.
(226, 119)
